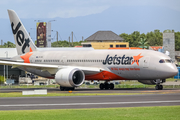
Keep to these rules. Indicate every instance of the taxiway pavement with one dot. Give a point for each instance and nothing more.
(74, 102)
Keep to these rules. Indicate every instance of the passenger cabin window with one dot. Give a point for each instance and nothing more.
(111, 46)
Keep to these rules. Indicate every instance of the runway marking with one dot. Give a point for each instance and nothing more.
(105, 103)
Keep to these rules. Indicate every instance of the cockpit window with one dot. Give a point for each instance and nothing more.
(162, 61)
(165, 61)
(168, 60)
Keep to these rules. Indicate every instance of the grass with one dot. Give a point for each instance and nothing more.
(136, 113)
(171, 80)
(123, 84)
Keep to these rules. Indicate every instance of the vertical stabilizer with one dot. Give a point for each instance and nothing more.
(22, 39)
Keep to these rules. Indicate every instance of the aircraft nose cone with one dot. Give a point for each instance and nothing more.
(174, 71)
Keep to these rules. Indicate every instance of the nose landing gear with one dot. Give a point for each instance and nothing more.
(158, 87)
(158, 84)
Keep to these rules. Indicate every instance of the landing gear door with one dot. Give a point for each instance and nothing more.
(146, 62)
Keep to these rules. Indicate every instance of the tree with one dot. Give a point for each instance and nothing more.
(60, 44)
(77, 43)
(127, 38)
(35, 42)
(143, 43)
(8, 45)
(177, 41)
(135, 36)
(154, 38)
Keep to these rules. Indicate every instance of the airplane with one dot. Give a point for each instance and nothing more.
(71, 66)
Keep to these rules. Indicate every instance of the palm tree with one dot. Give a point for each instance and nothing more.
(143, 43)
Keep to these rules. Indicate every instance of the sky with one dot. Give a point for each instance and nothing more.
(70, 9)
(74, 8)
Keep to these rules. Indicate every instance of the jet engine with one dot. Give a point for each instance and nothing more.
(152, 82)
(70, 77)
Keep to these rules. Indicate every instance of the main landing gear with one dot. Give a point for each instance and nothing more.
(66, 88)
(106, 86)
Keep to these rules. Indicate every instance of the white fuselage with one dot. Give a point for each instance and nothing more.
(122, 63)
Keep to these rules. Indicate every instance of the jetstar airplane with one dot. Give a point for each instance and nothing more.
(70, 67)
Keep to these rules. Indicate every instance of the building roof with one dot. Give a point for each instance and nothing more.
(104, 35)
(156, 48)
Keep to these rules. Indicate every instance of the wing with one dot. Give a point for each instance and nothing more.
(50, 68)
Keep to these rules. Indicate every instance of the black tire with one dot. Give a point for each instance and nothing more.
(72, 88)
(160, 87)
(101, 86)
(62, 88)
(111, 86)
(157, 87)
(106, 86)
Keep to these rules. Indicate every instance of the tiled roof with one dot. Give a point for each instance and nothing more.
(155, 47)
(104, 35)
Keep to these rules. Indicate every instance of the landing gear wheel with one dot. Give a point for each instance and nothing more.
(106, 86)
(101, 86)
(66, 88)
(62, 88)
(111, 86)
(158, 87)
(72, 88)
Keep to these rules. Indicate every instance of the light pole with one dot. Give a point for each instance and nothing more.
(4, 73)
(51, 20)
(7, 65)
(35, 34)
(38, 20)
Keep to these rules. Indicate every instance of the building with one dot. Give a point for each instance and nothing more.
(105, 40)
(14, 73)
(169, 44)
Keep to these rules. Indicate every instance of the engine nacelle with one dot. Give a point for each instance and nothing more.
(70, 77)
(152, 82)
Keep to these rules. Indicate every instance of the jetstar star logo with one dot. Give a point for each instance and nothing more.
(124, 60)
(27, 56)
(136, 59)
